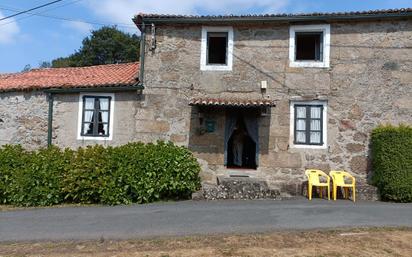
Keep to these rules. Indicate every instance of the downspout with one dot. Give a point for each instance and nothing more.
(142, 53)
(50, 120)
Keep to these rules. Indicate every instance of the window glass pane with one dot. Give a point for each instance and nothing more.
(300, 137)
(89, 103)
(315, 137)
(88, 116)
(104, 104)
(315, 125)
(308, 46)
(315, 112)
(300, 125)
(103, 129)
(300, 112)
(217, 47)
(88, 128)
(103, 116)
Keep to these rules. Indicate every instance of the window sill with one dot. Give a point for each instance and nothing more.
(83, 138)
(216, 68)
(321, 147)
(309, 64)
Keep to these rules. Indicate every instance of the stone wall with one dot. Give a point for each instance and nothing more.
(369, 82)
(23, 119)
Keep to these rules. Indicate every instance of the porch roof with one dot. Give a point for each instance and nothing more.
(222, 102)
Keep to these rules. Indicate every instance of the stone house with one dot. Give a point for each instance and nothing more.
(257, 96)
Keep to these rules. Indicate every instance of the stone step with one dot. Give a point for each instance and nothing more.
(237, 188)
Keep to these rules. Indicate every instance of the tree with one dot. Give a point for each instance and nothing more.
(104, 46)
(27, 67)
(44, 64)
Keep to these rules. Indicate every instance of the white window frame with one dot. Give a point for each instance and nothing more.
(203, 53)
(80, 116)
(324, 125)
(325, 28)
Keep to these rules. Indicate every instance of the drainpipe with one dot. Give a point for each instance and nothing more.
(50, 120)
(142, 53)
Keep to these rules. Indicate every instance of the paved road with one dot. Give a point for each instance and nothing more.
(189, 218)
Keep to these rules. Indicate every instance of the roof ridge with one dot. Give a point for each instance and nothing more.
(79, 67)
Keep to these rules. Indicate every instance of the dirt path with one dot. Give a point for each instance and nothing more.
(355, 242)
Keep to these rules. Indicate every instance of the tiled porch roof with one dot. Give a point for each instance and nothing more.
(231, 102)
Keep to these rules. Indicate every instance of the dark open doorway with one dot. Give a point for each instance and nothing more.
(242, 140)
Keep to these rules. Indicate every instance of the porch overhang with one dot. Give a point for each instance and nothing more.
(224, 102)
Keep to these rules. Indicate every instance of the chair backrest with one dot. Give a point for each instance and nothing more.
(338, 176)
(313, 175)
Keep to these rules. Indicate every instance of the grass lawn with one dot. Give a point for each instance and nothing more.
(354, 242)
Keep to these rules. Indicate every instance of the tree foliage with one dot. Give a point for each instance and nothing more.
(106, 45)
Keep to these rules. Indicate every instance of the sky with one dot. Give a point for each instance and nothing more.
(31, 39)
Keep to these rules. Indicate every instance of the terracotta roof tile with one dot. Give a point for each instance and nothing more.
(231, 102)
(92, 76)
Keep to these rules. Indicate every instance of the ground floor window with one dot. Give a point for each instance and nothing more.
(241, 140)
(95, 116)
(308, 123)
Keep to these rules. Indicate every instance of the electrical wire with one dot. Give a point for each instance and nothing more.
(29, 10)
(8, 8)
(41, 14)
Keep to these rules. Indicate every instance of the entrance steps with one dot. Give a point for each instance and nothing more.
(239, 187)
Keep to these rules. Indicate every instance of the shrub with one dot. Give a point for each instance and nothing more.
(12, 160)
(135, 172)
(392, 162)
(37, 180)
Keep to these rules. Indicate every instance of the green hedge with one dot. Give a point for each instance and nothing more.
(392, 162)
(132, 173)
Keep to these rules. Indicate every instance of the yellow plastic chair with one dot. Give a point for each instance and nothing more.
(313, 180)
(338, 178)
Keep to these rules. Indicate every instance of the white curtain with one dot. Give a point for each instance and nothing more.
(315, 125)
(88, 115)
(104, 104)
(300, 137)
(315, 137)
(105, 116)
(300, 124)
(300, 112)
(315, 112)
(89, 103)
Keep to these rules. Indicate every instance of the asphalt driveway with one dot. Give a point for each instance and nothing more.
(190, 217)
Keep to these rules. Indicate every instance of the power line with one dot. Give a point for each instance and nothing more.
(29, 10)
(73, 20)
(41, 14)
(8, 8)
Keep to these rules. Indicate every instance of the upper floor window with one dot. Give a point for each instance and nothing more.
(95, 116)
(309, 46)
(308, 124)
(216, 48)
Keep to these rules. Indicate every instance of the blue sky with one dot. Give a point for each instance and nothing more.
(29, 39)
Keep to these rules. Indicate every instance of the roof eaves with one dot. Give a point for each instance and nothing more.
(100, 88)
(85, 88)
(271, 18)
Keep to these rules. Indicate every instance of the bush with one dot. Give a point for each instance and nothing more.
(12, 160)
(135, 172)
(392, 162)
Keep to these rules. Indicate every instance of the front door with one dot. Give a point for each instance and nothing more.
(241, 139)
